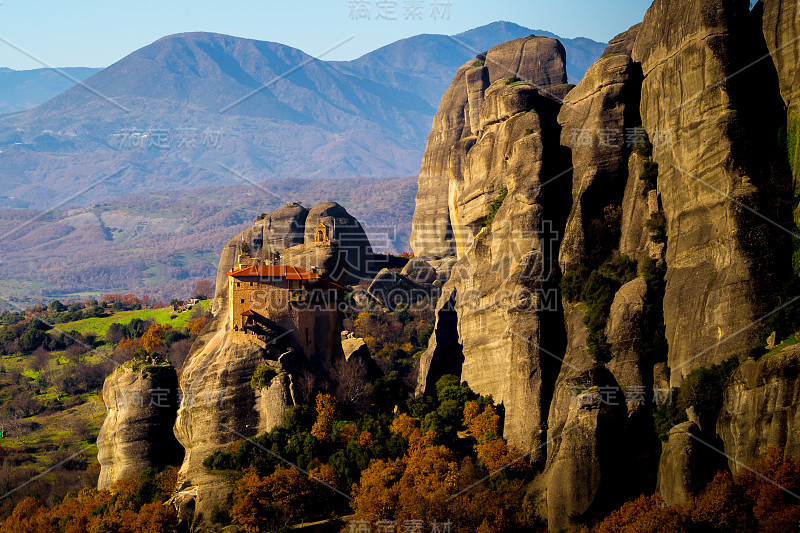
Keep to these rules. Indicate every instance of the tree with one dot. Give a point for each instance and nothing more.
(154, 336)
(39, 359)
(196, 325)
(156, 518)
(327, 413)
(204, 289)
(252, 508)
(352, 386)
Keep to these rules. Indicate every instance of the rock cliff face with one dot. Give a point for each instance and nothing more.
(781, 26)
(664, 127)
(539, 61)
(490, 326)
(593, 129)
(761, 408)
(353, 253)
(679, 463)
(220, 407)
(579, 460)
(219, 404)
(719, 174)
(137, 432)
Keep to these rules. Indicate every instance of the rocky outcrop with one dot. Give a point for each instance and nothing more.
(781, 27)
(761, 408)
(594, 132)
(392, 289)
(419, 271)
(539, 63)
(780, 20)
(625, 334)
(622, 43)
(582, 462)
(719, 173)
(504, 268)
(639, 204)
(430, 230)
(219, 407)
(142, 402)
(353, 253)
(354, 347)
(700, 154)
(680, 461)
(276, 231)
(289, 231)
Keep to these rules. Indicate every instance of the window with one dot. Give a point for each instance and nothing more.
(237, 283)
(241, 301)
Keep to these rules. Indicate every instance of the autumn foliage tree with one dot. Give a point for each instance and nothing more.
(491, 449)
(154, 336)
(759, 498)
(327, 414)
(196, 325)
(268, 502)
(127, 507)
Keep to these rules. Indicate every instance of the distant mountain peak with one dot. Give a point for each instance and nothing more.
(330, 119)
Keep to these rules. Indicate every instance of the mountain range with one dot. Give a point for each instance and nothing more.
(24, 89)
(203, 109)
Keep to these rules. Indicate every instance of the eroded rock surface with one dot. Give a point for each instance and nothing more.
(761, 408)
(493, 288)
(539, 62)
(781, 27)
(718, 164)
(594, 132)
(680, 460)
(137, 434)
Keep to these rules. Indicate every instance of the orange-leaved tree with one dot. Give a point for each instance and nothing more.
(327, 413)
(154, 336)
(196, 325)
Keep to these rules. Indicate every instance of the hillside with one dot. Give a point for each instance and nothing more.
(158, 245)
(50, 406)
(190, 110)
(25, 89)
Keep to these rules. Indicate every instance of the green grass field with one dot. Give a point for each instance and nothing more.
(99, 326)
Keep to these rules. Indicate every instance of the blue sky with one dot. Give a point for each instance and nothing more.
(97, 33)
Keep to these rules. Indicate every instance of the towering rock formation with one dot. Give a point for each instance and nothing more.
(721, 179)
(216, 403)
(142, 401)
(223, 406)
(714, 173)
(352, 250)
(538, 61)
(595, 131)
(781, 26)
(502, 212)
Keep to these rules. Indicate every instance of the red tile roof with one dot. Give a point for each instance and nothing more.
(273, 271)
(328, 284)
